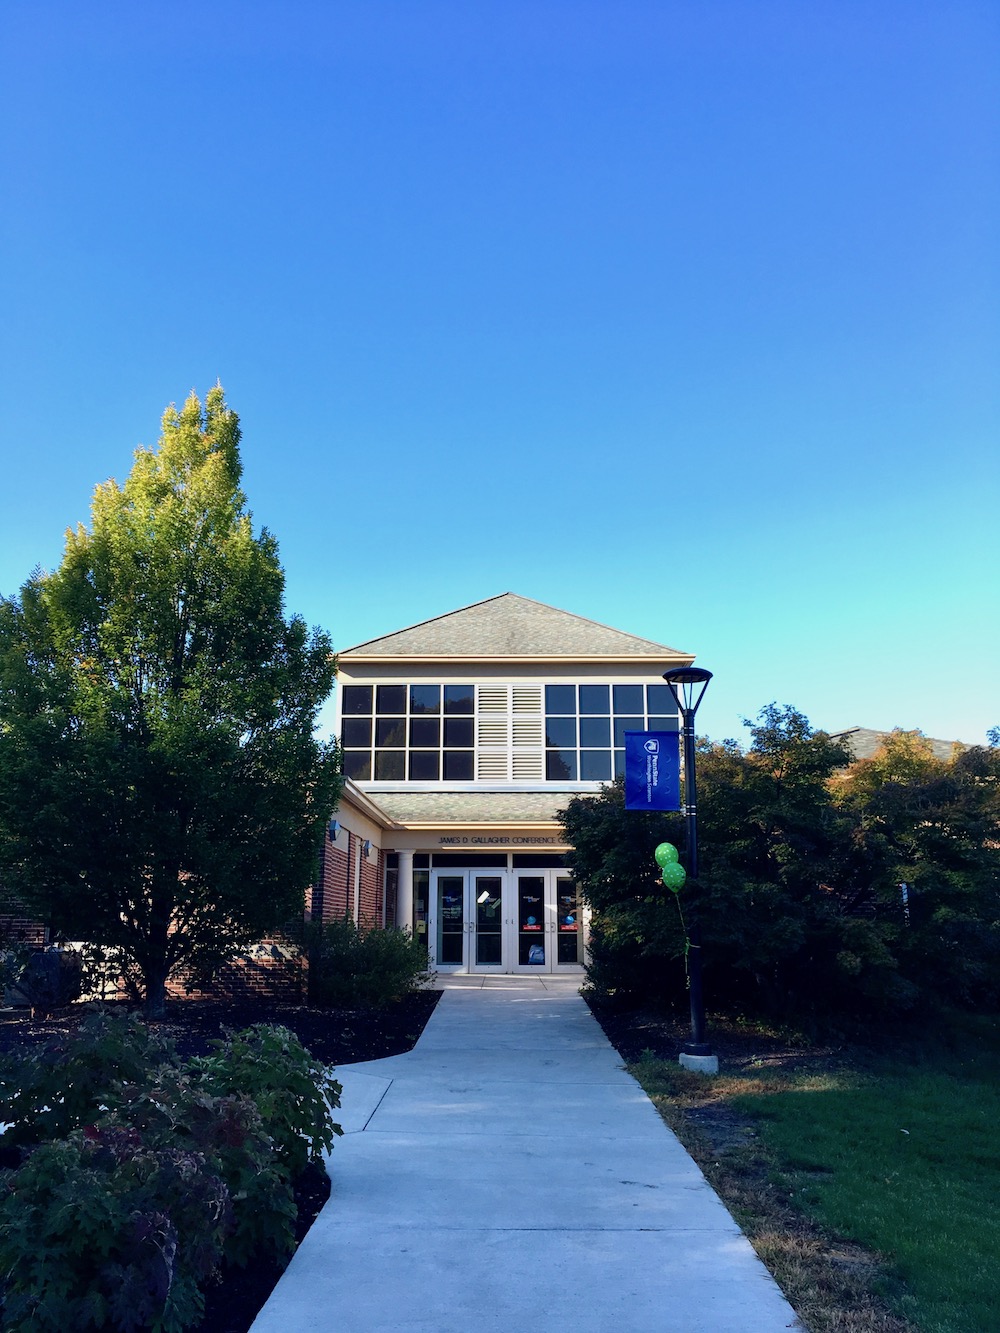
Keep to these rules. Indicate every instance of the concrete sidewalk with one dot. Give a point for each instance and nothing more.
(507, 1174)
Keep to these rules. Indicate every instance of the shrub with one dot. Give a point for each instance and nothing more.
(174, 1110)
(47, 1092)
(100, 1231)
(351, 965)
(636, 954)
(146, 1173)
(803, 859)
(294, 1094)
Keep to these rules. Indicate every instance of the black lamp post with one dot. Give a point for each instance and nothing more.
(687, 685)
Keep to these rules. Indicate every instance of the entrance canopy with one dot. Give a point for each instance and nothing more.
(483, 877)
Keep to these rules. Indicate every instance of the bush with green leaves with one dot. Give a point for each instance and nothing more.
(143, 1173)
(802, 859)
(293, 1093)
(352, 965)
(175, 1108)
(99, 1230)
(50, 1090)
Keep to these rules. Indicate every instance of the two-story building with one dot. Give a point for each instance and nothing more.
(463, 737)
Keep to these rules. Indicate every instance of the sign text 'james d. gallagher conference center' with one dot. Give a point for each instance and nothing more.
(463, 738)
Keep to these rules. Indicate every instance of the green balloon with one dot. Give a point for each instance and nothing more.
(665, 854)
(674, 876)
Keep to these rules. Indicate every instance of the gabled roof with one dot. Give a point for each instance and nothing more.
(863, 742)
(511, 626)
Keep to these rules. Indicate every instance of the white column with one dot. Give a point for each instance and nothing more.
(404, 891)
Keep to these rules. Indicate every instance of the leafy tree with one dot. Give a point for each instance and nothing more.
(931, 828)
(792, 916)
(785, 917)
(161, 788)
(636, 937)
(770, 844)
(802, 855)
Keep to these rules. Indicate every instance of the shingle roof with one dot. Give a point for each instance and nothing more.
(511, 626)
(864, 741)
(472, 807)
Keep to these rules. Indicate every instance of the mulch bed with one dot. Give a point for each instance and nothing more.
(335, 1036)
(634, 1031)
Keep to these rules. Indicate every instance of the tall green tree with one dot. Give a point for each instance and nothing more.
(161, 786)
(792, 916)
(785, 899)
(803, 856)
(636, 938)
(931, 834)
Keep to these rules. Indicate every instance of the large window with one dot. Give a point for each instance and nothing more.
(496, 733)
(585, 727)
(419, 733)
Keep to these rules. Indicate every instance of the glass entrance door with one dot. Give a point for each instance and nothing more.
(489, 917)
(547, 932)
(531, 944)
(568, 928)
(449, 924)
(469, 925)
(505, 921)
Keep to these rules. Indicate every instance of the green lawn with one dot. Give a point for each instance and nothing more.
(899, 1152)
(904, 1156)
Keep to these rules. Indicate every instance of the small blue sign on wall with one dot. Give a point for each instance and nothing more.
(652, 770)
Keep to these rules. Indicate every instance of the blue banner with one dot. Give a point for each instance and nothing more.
(652, 770)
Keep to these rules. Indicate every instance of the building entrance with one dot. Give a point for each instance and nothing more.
(505, 921)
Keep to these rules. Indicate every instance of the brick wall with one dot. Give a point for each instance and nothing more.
(20, 930)
(332, 896)
(273, 969)
(329, 897)
(391, 882)
(16, 927)
(370, 897)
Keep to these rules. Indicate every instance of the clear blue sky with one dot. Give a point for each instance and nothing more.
(679, 315)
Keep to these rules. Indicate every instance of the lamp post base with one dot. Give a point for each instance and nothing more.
(699, 1064)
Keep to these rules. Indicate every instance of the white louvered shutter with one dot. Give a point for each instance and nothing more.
(527, 756)
(492, 733)
(510, 733)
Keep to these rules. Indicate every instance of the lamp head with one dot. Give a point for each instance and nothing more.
(687, 685)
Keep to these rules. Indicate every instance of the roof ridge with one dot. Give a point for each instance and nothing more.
(419, 624)
(619, 634)
(587, 619)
